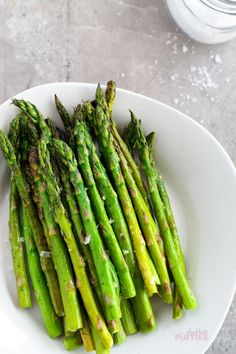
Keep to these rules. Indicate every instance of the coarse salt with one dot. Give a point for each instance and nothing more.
(87, 239)
(46, 254)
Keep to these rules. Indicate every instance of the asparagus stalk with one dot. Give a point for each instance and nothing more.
(110, 97)
(140, 303)
(175, 258)
(28, 204)
(60, 216)
(126, 283)
(177, 301)
(55, 131)
(101, 125)
(100, 258)
(80, 233)
(128, 320)
(73, 319)
(22, 284)
(79, 228)
(120, 336)
(149, 230)
(99, 346)
(33, 113)
(73, 342)
(51, 321)
(86, 334)
(65, 117)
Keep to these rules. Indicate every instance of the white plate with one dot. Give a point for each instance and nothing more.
(201, 180)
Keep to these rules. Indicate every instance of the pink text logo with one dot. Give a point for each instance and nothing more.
(192, 335)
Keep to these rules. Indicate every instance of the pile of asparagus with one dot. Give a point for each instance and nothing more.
(99, 235)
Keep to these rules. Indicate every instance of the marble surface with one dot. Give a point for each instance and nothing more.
(135, 43)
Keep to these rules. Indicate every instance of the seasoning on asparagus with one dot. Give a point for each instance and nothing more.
(116, 255)
(112, 161)
(140, 303)
(100, 258)
(61, 218)
(73, 320)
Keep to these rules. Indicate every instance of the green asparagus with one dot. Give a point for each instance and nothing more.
(22, 284)
(61, 218)
(175, 258)
(40, 241)
(106, 145)
(100, 258)
(149, 229)
(126, 283)
(140, 303)
(73, 320)
(51, 321)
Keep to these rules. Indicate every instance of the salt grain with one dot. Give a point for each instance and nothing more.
(87, 239)
(22, 239)
(176, 101)
(46, 254)
(218, 59)
(184, 49)
(125, 252)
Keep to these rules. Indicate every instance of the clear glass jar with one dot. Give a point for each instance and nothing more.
(207, 21)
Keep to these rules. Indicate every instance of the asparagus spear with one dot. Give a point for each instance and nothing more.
(28, 204)
(101, 125)
(177, 303)
(73, 320)
(101, 263)
(73, 342)
(149, 229)
(126, 283)
(55, 131)
(65, 117)
(22, 284)
(120, 336)
(60, 216)
(33, 113)
(100, 349)
(140, 303)
(51, 321)
(86, 334)
(171, 244)
(128, 320)
(110, 97)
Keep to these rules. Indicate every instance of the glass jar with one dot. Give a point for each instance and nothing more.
(207, 21)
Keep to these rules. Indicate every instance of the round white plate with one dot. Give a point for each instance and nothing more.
(201, 180)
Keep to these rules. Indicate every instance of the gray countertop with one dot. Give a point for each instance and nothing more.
(135, 43)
